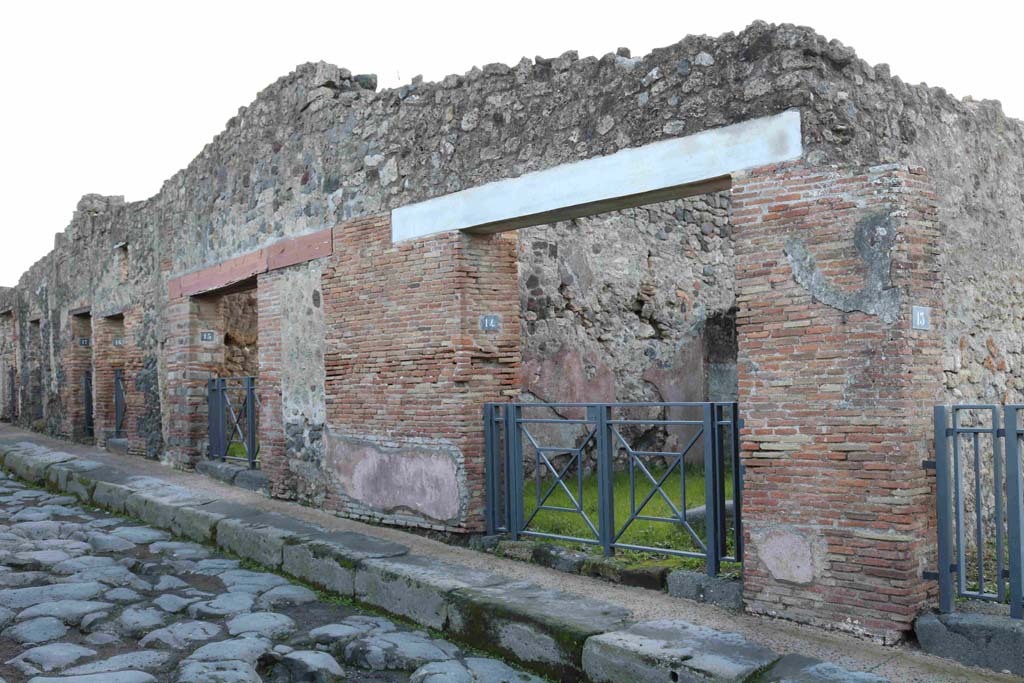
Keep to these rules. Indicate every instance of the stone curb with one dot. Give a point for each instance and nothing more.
(992, 641)
(544, 630)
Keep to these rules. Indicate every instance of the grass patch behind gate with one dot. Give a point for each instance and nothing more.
(653, 534)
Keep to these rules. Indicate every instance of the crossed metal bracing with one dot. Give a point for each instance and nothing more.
(233, 406)
(560, 471)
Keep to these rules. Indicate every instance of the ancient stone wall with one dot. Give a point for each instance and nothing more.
(631, 305)
(241, 335)
(615, 306)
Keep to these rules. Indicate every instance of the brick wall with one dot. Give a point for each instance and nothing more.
(836, 391)
(114, 347)
(408, 370)
(77, 361)
(189, 363)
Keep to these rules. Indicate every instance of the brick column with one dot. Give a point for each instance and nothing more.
(106, 359)
(409, 367)
(135, 400)
(190, 362)
(836, 390)
(77, 360)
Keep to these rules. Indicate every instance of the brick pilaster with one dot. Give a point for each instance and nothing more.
(836, 389)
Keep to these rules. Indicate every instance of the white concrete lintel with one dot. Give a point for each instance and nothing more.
(658, 171)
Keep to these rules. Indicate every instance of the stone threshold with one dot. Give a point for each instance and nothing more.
(559, 635)
(235, 475)
(722, 591)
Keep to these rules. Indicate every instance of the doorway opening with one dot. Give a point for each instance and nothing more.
(79, 367)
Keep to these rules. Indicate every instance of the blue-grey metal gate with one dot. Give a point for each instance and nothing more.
(119, 403)
(980, 511)
(233, 412)
(568, 445)
(88, 427)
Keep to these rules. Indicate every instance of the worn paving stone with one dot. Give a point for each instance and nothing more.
(20, 598)
(33, 631)
(142, 660)
(308, 665)
(182, 634)
(286, 595)
(672, 649)
(54, 656)
(801, 669)
(140, 534)
(988, 640)
(545, 628)
(267, 624)
(68, 611)
(112, 677)
(217, 672)
(471, 670)
(244, 649)
(245, 581)
(174, 603)
(137, 621)
(417, 587)
(89, 597)
(224, 605)
(399, 650)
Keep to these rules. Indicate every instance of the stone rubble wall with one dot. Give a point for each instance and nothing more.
(635, 304)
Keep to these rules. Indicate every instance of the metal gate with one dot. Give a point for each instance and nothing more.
(119, 404)
(233, 413)
(980, 511)
(644, 453)
(12, 394)
(88, 428)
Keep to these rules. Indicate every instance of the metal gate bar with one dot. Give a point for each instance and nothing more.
(119, 404)
(88, 428)
(953, 463)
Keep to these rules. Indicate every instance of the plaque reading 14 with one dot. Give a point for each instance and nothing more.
(490, 323)
(118, 341)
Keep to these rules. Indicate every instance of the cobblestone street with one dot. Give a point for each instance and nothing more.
(87, 597)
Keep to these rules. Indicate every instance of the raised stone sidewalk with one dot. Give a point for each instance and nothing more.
(561, 635)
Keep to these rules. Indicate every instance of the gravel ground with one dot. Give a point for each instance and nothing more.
(900, 664)
(88, 597)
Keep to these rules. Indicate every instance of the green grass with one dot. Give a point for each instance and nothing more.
(641, 532)
(237, 450)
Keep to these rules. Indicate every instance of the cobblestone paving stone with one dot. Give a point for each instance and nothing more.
(87, 597)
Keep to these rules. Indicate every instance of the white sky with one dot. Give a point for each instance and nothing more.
(114, 97)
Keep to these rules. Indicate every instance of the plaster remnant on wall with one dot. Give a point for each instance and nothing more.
(874, 238)
(395, 478)
(789, 555)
